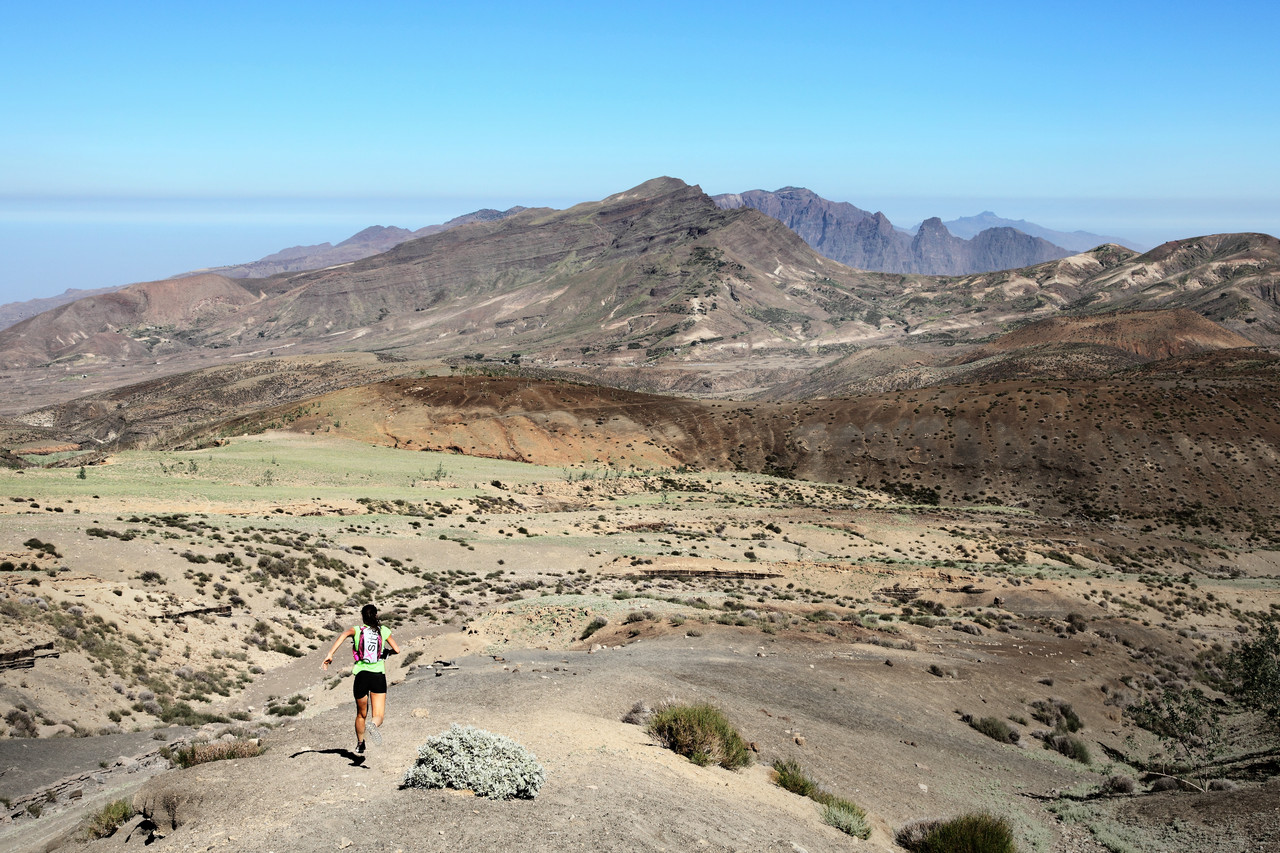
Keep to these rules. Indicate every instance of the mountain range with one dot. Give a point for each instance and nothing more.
(371, 241)
(836, 373)
(839, 230)
(658, 277)
(1075, 241)
(870, 241)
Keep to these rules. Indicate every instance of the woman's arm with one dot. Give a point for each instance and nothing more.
(391, 641)
(328, 659)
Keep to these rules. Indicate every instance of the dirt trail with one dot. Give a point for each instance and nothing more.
(609, 787)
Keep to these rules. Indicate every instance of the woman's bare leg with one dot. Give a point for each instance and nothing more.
(362, 709)
(377, 707)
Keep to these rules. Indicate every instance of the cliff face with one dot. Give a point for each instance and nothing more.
(819, 222)
(869, 241)
(876, 245)
(934, 248)
(1006, 248)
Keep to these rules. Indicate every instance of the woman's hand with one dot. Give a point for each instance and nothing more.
(333, 650)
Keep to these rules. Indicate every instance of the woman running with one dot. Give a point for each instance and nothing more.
(368, 649)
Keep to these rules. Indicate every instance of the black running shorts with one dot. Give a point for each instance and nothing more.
(369, 682)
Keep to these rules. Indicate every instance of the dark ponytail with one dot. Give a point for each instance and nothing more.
(369, 614)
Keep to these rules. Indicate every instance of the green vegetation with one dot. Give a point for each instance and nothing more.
(469, 759)
(594, 625)
(1065, 722)
(1255, 668)
(107, 820)
(292, 708)
(1061, 716)
(790, 776)
(1072, 747)
(844, 815)
(847, 817)
(995, 728)
(183, 714)
(203, 753)
(43, 547)
(701, 733)
(971, 833)
(1186, 722)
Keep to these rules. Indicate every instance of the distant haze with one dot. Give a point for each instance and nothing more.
(144, 139)
(48, 247)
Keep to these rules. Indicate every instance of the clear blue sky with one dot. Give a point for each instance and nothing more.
(138, 140)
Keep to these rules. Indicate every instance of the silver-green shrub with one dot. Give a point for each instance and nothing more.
(469, 759)
(848, 818)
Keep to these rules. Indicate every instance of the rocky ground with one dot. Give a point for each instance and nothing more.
(845, 629)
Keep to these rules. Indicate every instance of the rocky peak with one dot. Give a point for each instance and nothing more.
(932, 228)
(378, 235)
(654, 188)
(869, 241)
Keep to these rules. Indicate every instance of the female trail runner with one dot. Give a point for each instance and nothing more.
(369, 648)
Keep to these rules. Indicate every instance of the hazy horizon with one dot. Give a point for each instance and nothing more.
(123, 241)
(143, 141)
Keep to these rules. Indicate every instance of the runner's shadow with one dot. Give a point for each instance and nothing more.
(356, 760)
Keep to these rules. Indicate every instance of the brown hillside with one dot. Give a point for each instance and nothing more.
(134, 322)
(167, 409)
(1205, 439)
(1228, 278)
(638, 274)
(1147, 334)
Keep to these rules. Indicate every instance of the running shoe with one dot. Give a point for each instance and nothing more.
(360, 748)
(374, 734)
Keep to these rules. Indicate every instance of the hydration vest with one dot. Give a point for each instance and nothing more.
(366, 645)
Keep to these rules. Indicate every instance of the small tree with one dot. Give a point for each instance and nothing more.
(1255, 671)
(1188, 726)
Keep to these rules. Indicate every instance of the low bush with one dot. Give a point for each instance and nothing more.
(203, 753)
(639, 714)
(1058, 714)
(1071, 747)
(700, 733)
(469, 759)
(844, 815)
(1117, 785)
(594, 625)
(789, 775)
(108, 819)
(978, 832)
(292, 708)
(21, 723)
(182, 714)
(995, 728)
(848, 818)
